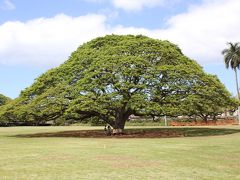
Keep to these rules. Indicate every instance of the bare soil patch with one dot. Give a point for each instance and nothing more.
(101, 134)
(139, 133)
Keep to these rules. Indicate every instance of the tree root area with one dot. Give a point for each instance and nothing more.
(139, 133)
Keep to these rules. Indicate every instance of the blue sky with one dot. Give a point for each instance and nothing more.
(38, 35)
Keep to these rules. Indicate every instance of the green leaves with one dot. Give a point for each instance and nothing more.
(112, 77)
(4, 99)
(232, 55)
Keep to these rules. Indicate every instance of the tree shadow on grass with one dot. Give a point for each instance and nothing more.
(139, 133)
(196, 132)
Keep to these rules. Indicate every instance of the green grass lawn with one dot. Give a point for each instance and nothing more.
(205, 157)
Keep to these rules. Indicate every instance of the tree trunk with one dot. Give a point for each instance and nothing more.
(205, 119)
(118, 127)
(236, 77)
(120, 121)
(153, 118)
(235, 70)
(195, 119)
(214, 119)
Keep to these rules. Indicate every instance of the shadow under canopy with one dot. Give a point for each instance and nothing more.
(139, 133)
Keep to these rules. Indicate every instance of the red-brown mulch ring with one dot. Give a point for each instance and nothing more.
(159, 132)
(101, 134)
(202, 123)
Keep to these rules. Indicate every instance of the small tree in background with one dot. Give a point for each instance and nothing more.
(4, 100)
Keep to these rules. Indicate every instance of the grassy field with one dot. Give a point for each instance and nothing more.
(205, 157)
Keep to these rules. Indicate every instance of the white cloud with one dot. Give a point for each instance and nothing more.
(8, 5)
(201, 33)
(47, 41)
(137, 5)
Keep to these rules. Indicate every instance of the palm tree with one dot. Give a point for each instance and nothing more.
(232, 59)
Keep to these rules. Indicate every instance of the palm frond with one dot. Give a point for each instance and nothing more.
(232, 55)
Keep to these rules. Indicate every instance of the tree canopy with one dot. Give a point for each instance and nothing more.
(4, 99)
(112, 77)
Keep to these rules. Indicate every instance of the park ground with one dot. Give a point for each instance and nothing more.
(194, 153)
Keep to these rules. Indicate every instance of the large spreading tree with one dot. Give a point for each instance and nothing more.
(112, 77)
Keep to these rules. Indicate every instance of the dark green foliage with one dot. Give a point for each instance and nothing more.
(209, 99)
(112, 77)
(4, 99)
